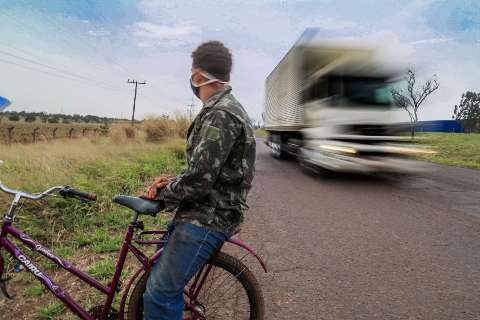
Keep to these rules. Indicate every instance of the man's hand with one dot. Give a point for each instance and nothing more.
(160, 183)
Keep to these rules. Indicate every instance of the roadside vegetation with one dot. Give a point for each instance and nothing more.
(151, 129)
(260, 133)
(456, 149)
(87, 233)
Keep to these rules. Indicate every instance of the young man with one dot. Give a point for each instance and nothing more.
(209, 196)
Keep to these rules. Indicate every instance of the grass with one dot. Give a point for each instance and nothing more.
(101, 167)
(51, 311)
(456, 149)
(104, 269)
(260, 132)
(35, 290)
(22, 132)
(81, 231)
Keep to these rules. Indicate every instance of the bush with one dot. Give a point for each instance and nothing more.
(14, 117)
(30, 118)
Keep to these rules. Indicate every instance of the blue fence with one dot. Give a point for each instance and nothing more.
(439, 126)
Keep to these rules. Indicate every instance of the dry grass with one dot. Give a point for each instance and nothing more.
(158, 128)
(27, 132)
(153, 129)
(124, 132)
(34, 166)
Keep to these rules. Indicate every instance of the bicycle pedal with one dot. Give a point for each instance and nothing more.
(3, 288)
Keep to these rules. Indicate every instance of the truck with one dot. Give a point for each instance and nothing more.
(330, 107)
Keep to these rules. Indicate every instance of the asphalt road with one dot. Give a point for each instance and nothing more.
(358, 248)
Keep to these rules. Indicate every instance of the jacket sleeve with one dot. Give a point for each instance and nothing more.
(218, 134)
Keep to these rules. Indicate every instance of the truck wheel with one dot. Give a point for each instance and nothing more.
(276, 147)
(311, 168)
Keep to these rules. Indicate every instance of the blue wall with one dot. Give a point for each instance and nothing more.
(439, 126)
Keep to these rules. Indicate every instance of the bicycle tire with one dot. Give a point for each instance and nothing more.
(224, 261)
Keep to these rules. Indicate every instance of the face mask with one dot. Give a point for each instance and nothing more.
(195, 89)
(211, 79)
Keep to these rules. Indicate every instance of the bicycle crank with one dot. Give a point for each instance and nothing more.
(97, 311)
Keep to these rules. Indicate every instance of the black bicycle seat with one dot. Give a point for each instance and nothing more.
(140, 205)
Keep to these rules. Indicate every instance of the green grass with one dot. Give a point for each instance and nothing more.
(104, 269)
(100, 167)
(456, 149)
(51, 311)
(76, 229)
(260, 132)
(35, 290)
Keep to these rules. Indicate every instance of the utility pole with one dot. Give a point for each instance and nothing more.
(135, 96)
(190, 110)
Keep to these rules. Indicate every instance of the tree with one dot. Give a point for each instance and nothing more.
(412, 97)
(467, 112)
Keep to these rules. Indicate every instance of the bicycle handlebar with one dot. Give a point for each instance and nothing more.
(67, 191)
(62, 190)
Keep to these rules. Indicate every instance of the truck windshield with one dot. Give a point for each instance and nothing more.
(357, 90)
(363, 90)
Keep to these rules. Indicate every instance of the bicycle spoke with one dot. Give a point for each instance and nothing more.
(223, 296)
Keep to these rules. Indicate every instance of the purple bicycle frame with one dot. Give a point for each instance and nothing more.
(110, 290)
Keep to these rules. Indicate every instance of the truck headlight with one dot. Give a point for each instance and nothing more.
(338, 149)
(407, 150)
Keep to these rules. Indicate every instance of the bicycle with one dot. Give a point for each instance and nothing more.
(222, 271)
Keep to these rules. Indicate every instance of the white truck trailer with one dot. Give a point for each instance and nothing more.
(330, 107)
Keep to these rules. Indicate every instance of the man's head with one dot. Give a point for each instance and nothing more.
(211, 66)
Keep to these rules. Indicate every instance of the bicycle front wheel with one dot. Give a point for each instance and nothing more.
(229, 291)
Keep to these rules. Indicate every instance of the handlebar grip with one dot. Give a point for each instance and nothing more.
(77, 193)
(85, 195)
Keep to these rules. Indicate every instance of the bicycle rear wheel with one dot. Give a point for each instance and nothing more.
(230, 291)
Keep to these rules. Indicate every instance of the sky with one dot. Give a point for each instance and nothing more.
(76, 56)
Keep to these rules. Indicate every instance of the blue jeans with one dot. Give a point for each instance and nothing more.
(188, 248)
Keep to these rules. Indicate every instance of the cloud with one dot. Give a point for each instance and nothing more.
(148, 30)
(98, 33)
(430, 41)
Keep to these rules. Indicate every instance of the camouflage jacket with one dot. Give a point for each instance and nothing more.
(212, 191)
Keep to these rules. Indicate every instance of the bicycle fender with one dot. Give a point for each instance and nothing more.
(245, 246)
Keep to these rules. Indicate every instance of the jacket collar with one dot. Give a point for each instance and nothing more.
(214, 98)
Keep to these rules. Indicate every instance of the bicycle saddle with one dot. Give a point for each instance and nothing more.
(139, 205)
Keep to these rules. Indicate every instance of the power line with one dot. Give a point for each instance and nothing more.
(28, 32)
(65, 72)
(52, 74)
(60, 32)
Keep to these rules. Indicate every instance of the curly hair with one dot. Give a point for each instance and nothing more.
(214, 58)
